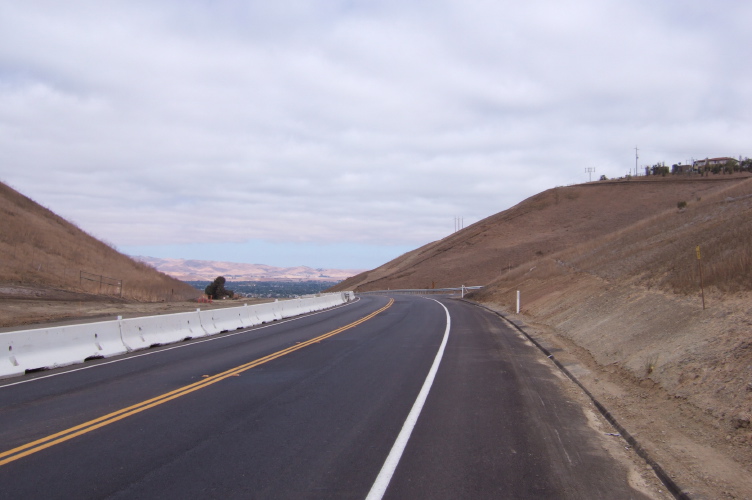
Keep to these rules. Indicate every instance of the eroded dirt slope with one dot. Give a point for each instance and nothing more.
(629, 306)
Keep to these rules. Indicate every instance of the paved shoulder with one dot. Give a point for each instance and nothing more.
(497, 424)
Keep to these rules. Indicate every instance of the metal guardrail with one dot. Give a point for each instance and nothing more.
(423, 291)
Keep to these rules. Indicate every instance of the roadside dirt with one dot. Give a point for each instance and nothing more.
(660, 364)
(23, 307)
(639, 474)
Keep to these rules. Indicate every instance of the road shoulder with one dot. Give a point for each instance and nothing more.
(687, 443)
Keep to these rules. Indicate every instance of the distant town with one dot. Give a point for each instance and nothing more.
(707, 166)
(270, 289)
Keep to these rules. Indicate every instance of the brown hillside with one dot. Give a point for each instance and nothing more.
(539, 226)
(41, 251)
(629, 303)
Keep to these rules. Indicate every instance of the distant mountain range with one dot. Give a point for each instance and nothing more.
(207, 270)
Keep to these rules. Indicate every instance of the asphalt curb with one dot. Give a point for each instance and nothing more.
(669, 483)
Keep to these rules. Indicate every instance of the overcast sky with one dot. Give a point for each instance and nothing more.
(344, 133)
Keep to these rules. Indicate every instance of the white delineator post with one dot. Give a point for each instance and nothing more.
(518, 302)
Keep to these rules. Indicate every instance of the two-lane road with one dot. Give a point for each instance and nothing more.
(309, 408)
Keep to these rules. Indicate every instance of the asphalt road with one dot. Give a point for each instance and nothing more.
(310, 408)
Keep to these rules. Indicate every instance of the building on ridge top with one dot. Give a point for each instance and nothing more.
(709, 162)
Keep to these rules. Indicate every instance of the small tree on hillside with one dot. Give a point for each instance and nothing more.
(658, 169)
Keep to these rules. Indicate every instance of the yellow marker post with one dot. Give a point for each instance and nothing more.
(699, 267)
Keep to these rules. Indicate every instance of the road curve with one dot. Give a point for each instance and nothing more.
(309, 408)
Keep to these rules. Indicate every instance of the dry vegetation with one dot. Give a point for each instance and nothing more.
(40, 249)
(574, 218)
(661, 249)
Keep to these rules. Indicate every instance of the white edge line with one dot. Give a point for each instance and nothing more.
(390, 465)
(214, 336)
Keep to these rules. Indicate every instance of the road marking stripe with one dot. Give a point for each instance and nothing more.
(62, 436)
(390, 464)
(195, 341)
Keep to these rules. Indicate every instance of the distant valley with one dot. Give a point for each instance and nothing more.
(206, 270)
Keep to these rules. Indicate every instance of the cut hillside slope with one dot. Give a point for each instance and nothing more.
(43, 252)
(630, 304)
(539, 226)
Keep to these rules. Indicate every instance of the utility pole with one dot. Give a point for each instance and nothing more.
(590, 171)
(636, 157)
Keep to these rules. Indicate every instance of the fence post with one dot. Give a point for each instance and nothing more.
(518, 302)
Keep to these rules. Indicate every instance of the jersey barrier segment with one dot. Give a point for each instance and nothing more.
(52, 347)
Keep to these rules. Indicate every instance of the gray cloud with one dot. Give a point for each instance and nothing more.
(158, 123)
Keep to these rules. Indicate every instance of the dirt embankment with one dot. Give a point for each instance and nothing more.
(677, 376)
(26, 306)
(626, 309)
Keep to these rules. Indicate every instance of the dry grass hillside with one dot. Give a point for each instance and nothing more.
(41, 252)
(549, 222)
(630, 303)
(609, 280)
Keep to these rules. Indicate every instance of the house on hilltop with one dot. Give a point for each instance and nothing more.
(711, 162)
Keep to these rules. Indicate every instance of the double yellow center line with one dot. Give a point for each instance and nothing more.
(62, 436)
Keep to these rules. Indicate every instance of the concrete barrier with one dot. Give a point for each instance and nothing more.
(277, 310)
(251, 315)
(265, 312)
(147, 331)
(222, 320)
(246, 316)
(294, 307)
(58, 346)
